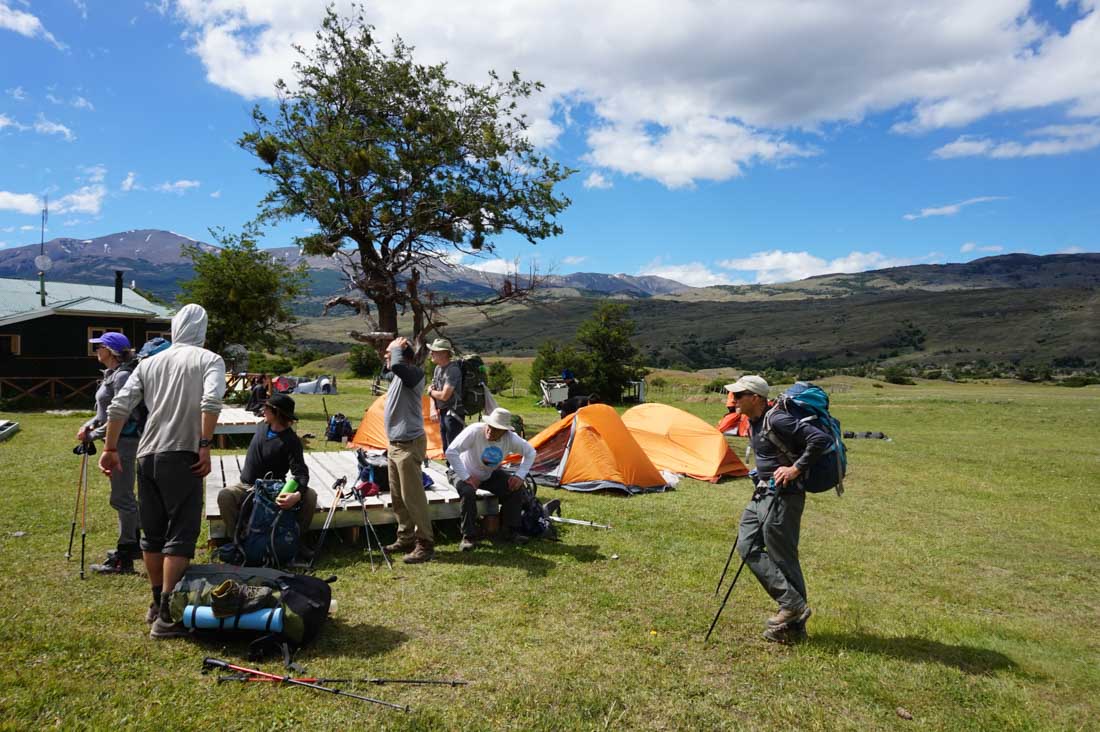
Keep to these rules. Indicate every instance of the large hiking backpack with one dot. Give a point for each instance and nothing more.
(534, 519)
(808, 402)
(338, 428)
(265, 535)
(299, 607)
(135, 424)
(471, 399)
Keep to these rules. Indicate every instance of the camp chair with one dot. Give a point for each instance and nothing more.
(554, 392)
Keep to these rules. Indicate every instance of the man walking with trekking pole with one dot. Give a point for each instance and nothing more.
(773, 518)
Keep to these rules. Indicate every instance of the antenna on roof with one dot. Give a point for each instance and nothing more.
(42, 261)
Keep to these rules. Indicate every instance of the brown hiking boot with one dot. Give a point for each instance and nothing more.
(424, 552)
(788, 635)
(400, 546)
(787, 617)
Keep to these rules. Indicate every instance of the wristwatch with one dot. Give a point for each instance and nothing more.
(205, 442)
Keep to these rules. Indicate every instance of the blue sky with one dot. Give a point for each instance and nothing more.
(716, 142)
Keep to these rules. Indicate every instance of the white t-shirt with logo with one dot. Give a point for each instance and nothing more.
(472, 453)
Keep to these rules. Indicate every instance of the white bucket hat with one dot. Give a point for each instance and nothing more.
(500, 418)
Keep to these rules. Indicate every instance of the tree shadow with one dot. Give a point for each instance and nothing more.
(968, 659)
(531, 558)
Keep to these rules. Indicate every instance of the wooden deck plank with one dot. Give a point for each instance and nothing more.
(236, 421)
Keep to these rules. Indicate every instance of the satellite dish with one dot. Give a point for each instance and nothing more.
(43, 263)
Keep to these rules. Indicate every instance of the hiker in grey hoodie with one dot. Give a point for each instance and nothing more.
(183, 389)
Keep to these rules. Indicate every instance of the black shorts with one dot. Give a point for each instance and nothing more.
(169, 503)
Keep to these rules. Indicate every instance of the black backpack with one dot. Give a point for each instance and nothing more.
(534, 520)
(135, 424)
(304, 600)
(471, 399)
(338, 427)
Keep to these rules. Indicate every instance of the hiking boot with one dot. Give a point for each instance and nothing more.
(152, 613)
(115, 564)
(162, 630)
(424, 552)
(467, 544)
(786, 617)
(400, 546)
(786, 635)
(234, 598)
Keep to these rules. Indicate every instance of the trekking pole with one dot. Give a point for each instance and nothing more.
(84, 508)
(76, 508)
(369, 528)
(759, 533)
(212, 663)
(579, 522)
(337, 489)
(726, 568)
(378, 682)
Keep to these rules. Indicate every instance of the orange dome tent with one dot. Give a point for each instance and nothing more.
(682, 443)
(372, 430)
(591, 450)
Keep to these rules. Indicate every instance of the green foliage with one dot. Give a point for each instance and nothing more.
(364, 360)
(499, 377)
(552, 358)
(897, 375)
(400, 162)
(658, 382)
(1079, 380)
(266, 363)
(612, 358)
(245, 292)
(302, 356)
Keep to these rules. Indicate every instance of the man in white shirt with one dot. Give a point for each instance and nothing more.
(475, 456)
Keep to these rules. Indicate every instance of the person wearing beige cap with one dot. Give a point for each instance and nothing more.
(475, 456)
(446, 389)
(773, 518)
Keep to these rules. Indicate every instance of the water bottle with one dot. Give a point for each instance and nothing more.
(290, 486)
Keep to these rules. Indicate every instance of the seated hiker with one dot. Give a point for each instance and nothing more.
(258, 394)
(275, 450)
(475, 456)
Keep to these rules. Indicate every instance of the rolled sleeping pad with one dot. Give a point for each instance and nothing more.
(202, 617)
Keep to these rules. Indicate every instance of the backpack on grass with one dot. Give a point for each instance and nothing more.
(471, 399)
(534, 519)
(338, 427)
(809, 403)
(265, 535)
(296, 607)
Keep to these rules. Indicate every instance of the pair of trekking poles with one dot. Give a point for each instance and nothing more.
(368, 528)
(84, 449)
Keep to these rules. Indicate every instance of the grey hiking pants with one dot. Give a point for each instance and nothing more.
(122, 498)
(777, 568)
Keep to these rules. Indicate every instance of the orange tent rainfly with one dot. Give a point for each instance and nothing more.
(372, 430)
(682, 443)
(734, 424)
(591, 450)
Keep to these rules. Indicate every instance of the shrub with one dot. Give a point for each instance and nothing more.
(897, 375)
(499, 376)
(266, 363)
(363, 361)
(658, 382)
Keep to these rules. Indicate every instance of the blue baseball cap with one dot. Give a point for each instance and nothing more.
(116, 342)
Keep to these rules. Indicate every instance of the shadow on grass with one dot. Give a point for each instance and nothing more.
(967, 659)
(536, 558)
(335, 639)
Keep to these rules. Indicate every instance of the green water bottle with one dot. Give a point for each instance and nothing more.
(290, 486)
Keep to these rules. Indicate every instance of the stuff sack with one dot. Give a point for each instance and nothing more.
(338, 427)
(284, 611)
(472, 396)
(808, 402)
(265, 535)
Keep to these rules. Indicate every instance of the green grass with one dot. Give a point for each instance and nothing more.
(957, 579)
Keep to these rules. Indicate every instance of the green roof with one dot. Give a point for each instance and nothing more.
(19, 300)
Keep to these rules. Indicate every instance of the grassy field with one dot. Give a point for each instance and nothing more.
(957, 580)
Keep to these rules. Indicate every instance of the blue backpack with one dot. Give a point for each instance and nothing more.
(265, 535)
(809, 403)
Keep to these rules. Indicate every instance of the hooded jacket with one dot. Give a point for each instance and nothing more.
(178, 385)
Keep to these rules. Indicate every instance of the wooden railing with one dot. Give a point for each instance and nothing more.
(57, 388)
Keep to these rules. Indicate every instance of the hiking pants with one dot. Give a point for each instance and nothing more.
(777, 569)
(511, 503)
(123, 501)
(450, 424)
(230, 500)
(170, 503)
(405, 461)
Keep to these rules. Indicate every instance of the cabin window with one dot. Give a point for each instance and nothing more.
(151, 334)
(9, 345)
(95, 331)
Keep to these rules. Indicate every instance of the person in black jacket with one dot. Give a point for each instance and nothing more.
(773, 518)
(275, 451)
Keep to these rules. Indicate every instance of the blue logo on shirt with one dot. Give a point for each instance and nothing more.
(492, 456)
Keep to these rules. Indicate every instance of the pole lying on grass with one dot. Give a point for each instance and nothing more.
(212, 663)
(338, 497)
(759, 533)
(377, 682)
(579, 522)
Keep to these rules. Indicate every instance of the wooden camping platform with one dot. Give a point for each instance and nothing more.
(324, 469)
(236, 421)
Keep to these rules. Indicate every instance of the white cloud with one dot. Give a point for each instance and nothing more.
(71, 222)
(695, 274)
(573, 259)
(86, 200)
(216, 194)
(1054, 140)
(1072, 250)
(82, 7)
(596, 179)
(950, 209)
(95, 173)
(130, 183)
(782, 266)
(494, 266)
(6, 121)
(178, 187)
(54, 99)
(25, 24)
(28, 227)
(972, 247)
(24, 203)
(46, 127)
(17, 93)
(80, 102)
(682, 92)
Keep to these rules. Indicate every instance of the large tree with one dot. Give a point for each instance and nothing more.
(246, 293)
(400, 168)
